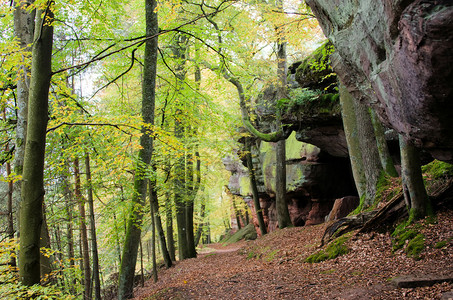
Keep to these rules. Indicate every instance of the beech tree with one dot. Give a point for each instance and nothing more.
(32, 184)
(129, 257)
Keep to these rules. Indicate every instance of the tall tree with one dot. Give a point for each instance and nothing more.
(24, 25)
(129, 257)
(33, 172)
(94, 243)
(83, 233)
(157, 223)
(179, 51)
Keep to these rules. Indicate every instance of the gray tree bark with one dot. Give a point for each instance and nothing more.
(415, 194)
(33, 172)
(24, 26)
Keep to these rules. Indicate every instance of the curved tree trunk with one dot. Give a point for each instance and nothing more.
(417, 200)
(33, 172)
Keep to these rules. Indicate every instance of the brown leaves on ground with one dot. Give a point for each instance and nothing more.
(273, 267)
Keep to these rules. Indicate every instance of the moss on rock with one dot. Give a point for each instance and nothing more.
(315, 71)
(333, 250)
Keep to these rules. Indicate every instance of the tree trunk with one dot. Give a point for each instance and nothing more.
(45, 260)
(283, 217)
(370, 154)
(179, 51)
(169, 227)
(70, 232)
(415, 195)
(24, 25)
(384, 154)
(83, 233)
(33, 172)
(201, 225)
(352, 139)
(190, 204)
(94, 243)
(157, 222)
(9, 203)
(193, 185)
(154, 244)
(256, 199)
(129, 258)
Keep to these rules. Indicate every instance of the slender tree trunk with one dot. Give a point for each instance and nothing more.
(201, 225)
(193, 184)
(9, 203)
(417, 199)
(384, 153)
(154, 245)
(129, 258)
(83, 233)
(142, 273)
(154, 202)
(169, 227)
(256, 199)
(94, 244)
(190, 205)
(33, 172)
(69, 228)
(117, 238)
(283, 217)
(45, 260)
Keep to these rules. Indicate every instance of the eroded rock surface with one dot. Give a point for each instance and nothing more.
(397, 56)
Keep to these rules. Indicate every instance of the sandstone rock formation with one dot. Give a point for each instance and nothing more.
(397, 56)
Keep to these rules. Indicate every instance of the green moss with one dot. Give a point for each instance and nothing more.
(407, 236)
(416, 246)
(438, 169)
(333, 250)
(318, 61)
(402, 237)
(271, 255)
(246, 233)
(440, 244)
(331, 271)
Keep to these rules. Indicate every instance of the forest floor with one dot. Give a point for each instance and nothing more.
(273, 267)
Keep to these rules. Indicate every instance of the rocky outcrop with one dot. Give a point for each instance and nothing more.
(314, 180)
(342, 207)
(396, 55)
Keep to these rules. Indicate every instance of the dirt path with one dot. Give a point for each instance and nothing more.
(273, 268)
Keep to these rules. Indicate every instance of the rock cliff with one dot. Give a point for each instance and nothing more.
(396, 56)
